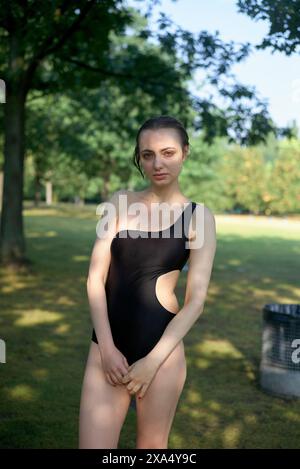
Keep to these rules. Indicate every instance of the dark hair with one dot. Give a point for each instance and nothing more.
(159, 122)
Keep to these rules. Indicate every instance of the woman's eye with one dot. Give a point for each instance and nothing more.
(148, 155)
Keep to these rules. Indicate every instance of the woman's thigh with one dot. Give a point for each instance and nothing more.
(156, 410)
(103, 407)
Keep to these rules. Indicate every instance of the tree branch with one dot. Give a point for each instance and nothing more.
(48, 47)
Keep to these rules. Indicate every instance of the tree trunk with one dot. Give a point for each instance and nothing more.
(48, 193)
(78, 200)
(12, 242)
(37, 190)
(105, 189)
(1, 189)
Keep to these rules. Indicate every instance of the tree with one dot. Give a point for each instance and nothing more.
(283, 17)
(32, 32)
(54, 46)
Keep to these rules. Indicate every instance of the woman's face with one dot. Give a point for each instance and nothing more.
(161, 152)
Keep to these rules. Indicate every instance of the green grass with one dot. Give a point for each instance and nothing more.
(46, 324)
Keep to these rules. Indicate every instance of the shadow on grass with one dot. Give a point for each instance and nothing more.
(45, 322)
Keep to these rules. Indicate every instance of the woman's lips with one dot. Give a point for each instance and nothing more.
(160, 176)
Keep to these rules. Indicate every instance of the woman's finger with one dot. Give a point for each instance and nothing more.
(114, 377)
(122, 371)
(142, 391)
(130, 387)
(126, 379)
(136, 388)
(126, 362)
(118, 375)
(109, 379)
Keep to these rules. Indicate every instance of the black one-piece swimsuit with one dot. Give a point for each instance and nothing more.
(137, 318)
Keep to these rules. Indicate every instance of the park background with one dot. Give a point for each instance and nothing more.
(77, 81)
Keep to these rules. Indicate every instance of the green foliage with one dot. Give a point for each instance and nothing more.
(283, 17)
(89, 95)
(261, 179)
(264, 179)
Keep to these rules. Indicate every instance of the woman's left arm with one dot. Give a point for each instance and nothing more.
(202, 252)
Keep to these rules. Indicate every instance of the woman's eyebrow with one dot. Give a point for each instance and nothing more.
(166, 148)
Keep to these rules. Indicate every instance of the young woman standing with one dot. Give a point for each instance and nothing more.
(137, 347)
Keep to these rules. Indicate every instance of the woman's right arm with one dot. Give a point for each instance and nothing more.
(97, 274)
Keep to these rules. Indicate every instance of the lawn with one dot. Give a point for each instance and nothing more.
(46, 324)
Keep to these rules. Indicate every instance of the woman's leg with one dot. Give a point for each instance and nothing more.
(156, 410)
(103, 407)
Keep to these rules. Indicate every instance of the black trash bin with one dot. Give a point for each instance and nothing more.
(280, 361)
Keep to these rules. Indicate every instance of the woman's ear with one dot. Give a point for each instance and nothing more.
(186, 151)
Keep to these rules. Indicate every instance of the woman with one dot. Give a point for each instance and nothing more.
(137, 346)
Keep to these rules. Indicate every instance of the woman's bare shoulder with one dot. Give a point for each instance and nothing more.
(201, 215)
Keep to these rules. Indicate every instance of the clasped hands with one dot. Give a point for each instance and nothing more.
(136, 377)
(139, 376)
